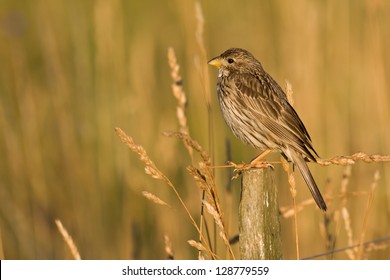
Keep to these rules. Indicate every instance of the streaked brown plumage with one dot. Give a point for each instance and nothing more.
(256, 109)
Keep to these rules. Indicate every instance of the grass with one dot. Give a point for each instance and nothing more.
(72, 72)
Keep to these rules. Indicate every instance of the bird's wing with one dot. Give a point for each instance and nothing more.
(269, 103)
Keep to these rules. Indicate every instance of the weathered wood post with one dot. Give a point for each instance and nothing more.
(259, 226)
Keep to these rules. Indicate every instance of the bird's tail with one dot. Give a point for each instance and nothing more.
(306, 174)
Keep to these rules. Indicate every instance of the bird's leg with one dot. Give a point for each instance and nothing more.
(255, 163)
(259, 158)
(258, 161)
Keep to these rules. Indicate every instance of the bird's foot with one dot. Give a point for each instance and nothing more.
(247, 166)
(239, 168)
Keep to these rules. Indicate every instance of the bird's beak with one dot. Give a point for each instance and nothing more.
(216, 61)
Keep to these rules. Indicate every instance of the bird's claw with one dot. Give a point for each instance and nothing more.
(238, 168)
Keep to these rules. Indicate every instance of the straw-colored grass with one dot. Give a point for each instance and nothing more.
(68, 240)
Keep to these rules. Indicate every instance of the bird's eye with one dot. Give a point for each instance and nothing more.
(230, 60)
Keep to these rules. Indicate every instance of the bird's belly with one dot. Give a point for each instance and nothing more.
(245, 126)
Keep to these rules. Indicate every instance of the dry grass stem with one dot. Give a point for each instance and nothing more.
(150, 167)
(344, 211)
(204, 79)
(349, 160)
(190, 144)
(200, 26)
(203, 67)
(152, 170)
(348, 230)
(326, 232)
(155, 199)
(179, 94)
(205, 181)
(199, 246)
(344, 184)
(366, 214)
(293, 191)
(168, 248)
(338, 160)
(290, 211)
(211, 189)
(222, 233)
(198, 177)
(211, 210)
(336, 219)
(68, 240)
(189, 141)
(203, 70)
(375, 247)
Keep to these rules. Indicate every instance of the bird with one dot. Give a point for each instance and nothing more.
(256, 109)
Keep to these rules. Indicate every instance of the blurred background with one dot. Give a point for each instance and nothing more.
(72, 71)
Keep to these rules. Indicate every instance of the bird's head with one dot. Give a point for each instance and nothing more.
(235, 60)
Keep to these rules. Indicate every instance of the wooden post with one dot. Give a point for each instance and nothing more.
(259, 226)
